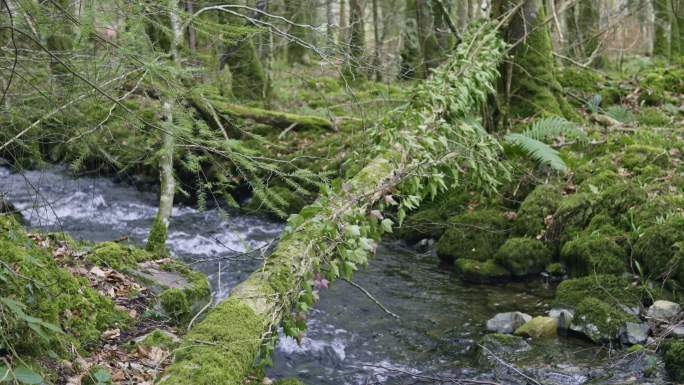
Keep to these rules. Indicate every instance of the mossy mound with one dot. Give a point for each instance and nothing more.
(431, 219)
(523, 256)
(638, 156)
(574, 214)
(581, 79)
(658, 250)
(161, 339)
(474, 271)
(593, 253)
(475, 235)
(285, 201)
(183, 303)
(618, 199)
(33, 284)
(612, 288)
(532, 214)
(598, 320)
(119, 256)
(674, 360)
(653, 117)
(598, 182)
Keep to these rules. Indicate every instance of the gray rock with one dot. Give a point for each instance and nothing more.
(678, 332)
(152, 275)
(564, 317)
(663, 310)
(633, 333)
(507, 322)
(590, 330)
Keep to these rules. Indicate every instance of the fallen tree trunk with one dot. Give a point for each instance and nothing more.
(213, 109)
(430, 136)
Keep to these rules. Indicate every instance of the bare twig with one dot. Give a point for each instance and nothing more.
(364, 291)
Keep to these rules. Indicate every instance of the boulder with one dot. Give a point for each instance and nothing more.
(507, 322)
(538, 327)
(599, 321)
(633, 333)
(663, 310)
(678, 332)
(563, 316)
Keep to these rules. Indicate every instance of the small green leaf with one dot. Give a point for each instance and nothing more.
(27, 376)
(387, 225)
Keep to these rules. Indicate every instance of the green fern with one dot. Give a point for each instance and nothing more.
(531, 141)
(620, 113)
(539, 151)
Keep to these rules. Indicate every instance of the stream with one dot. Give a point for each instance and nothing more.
(350, 339)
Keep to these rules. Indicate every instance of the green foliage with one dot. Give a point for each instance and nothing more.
(653, 117)
(674, 360)
(523, 256)
(620, 113)
(20, 374)
(531, 140)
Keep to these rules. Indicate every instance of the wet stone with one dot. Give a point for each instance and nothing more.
(507, 322)
(633, 333)
(664, 310)
(564, 317)
(538, 327)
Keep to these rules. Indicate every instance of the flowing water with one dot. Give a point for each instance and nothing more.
(350, 340)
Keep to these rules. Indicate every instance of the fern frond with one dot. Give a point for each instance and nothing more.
(545, 128)
(620, 113)
(537, 150)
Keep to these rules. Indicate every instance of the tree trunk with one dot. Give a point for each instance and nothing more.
(662, 22)
(192, 34)
(299, 12)
(357, 40)
(429, 46)
(589, 27)
(342, 34)
(530, 84)
(378, 43)
(677, 34)
(157, 239)
(330, 20)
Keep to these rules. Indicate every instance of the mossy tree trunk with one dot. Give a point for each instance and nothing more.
(589, 28)
(429, 46)
(411, 66)
(342, 34)
(300, 12)
(677, 34)
(377, 70)
(357, 40)
(529, 83)
(661, 34)
(157, 239)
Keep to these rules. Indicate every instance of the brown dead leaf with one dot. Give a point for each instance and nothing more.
(111, 334)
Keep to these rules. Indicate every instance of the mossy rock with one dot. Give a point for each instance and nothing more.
(674, 360)
(573, 215)
(52, 294)
(523, 256)
(475, 235)
(593, 253)
(581, 79)
(538, 327)
(637, 156)
(658, 250)
(501, 346)
(613, 288)
(475, 271)
(598, 320)
(181, 303)
(286, 202)
(599, 182)
(117, 255)
(532, 214)
(159, 338)
(430, 220)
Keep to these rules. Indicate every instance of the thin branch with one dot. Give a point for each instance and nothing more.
(364, 291)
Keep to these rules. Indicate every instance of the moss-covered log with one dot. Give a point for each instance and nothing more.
(223, 348)
(226, 112)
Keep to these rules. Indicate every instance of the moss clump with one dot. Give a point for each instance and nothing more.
(49, 293)
(598, 182)
(181, 304)
(593, 253)
(674, 360)
(574, 214)
(161, 339)
(471, 270)
(226, 353)
(156, 241)
(532, 214)
(118, 255)
(612, 288)
(475, 235)
(605, 319)
(431, 219)
(581, 79)
(638, 156)
(658, 250)
(653, 117)
(286, 200)
(523, 256)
